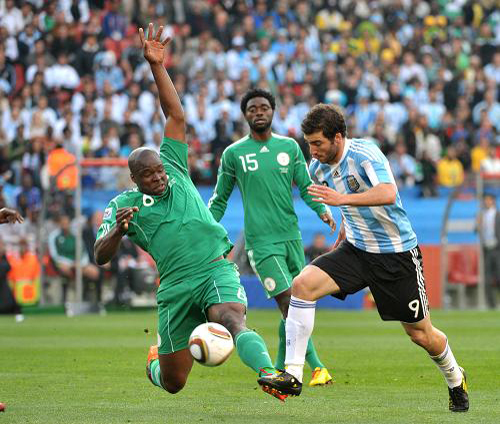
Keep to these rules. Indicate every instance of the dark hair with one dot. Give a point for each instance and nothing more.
(326, 118)
(257, 92)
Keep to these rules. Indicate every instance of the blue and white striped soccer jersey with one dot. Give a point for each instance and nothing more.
(374, 229)
(381, 250)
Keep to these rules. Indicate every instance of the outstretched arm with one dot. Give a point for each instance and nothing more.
(381, 194)
(107, 245)
(154, 53)
(303, 180)
(223, 189)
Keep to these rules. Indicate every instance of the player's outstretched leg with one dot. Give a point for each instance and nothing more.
(250, 346)
(436, 344)
(170, 371)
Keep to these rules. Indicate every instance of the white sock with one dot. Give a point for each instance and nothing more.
(299, 327)
(447, 363)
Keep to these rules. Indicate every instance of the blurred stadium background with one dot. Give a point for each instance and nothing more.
(421, 78)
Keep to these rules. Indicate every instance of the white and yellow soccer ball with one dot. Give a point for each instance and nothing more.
(210, 344)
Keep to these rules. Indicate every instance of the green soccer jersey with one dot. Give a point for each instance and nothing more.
(175, 228)
(264, 173)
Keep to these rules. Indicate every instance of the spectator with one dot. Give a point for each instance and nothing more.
(491, 164)
(62, 74)
(61, 167)
(24, 274)
(317, 247)
(62, 251)
(403, 166)
(488, 225)
(450, 170)
(8, 303)
(28, 196)
(7, 74)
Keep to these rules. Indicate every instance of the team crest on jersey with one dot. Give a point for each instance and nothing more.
(352, 183)
(107, 213)
(283, 159)
(269, 284)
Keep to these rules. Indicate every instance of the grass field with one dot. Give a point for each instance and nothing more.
(90, 369)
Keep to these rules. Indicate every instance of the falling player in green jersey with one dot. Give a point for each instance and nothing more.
(166, 216)
(265, 165)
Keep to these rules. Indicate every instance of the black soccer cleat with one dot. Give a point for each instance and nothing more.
(282, 382)
(459, 396)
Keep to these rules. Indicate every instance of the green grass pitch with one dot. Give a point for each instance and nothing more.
(90, 369)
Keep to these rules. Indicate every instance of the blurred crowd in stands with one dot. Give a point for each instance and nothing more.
(421, 78)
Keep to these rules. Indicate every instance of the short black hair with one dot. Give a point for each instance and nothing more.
(257, 92)
(326, 118)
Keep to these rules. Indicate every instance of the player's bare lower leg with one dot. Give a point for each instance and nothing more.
(251, 348)
(435, 342)
(169, 371)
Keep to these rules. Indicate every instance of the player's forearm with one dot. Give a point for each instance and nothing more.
(107, 246)
(380, 195)
(169, 99)
(319, 208)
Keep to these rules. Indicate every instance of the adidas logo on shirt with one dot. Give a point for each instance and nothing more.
(336, 174)
(264, 150)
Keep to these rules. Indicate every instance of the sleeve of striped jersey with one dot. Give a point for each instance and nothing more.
(174, 155)
(302, 179)
(378, 171)
(226, 178)
(313, 167)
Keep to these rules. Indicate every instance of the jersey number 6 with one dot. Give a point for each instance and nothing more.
(249, 163)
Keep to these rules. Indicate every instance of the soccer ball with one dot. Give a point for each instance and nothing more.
(210, 344)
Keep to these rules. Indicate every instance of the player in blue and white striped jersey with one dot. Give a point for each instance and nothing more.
(375, 229)
(376, 248)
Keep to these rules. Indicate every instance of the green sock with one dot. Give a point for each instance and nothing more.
(253, 351)
(280, 357)
(154, 366)
(312, 357)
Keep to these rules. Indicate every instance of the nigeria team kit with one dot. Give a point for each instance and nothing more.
(186, 243)
(265, 172)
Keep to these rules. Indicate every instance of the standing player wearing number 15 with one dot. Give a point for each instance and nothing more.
(265, 165)
(376, 248)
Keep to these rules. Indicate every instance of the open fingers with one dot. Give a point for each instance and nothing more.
(158, 34)
(166, 41)
(19, 218)
(141, 36)
(150, 32)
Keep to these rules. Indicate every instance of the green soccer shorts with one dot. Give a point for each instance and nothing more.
(277, 264)
(182, 306)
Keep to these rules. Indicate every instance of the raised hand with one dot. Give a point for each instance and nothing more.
(154, 48)
(10, 215)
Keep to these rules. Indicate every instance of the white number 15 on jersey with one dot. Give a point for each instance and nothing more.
(249, 163)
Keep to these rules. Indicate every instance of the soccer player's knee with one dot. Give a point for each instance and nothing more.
(419, 337)
(300, 287)
(173, 384)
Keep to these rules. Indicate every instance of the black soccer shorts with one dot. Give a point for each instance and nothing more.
(396, 280)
